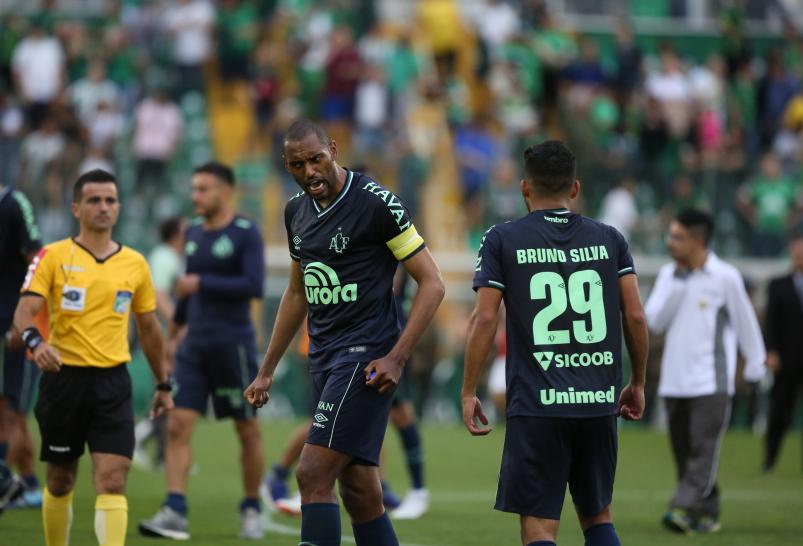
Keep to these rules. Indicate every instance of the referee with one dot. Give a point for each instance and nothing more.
(90, 284)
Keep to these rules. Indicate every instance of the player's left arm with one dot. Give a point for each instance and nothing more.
(384, 373)
(150, 336)
(637, 340)
(480, 339)
(143, 305)
(745, 324)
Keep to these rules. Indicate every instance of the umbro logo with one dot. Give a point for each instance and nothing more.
(297, 242)
(320, 418)
(544, 359)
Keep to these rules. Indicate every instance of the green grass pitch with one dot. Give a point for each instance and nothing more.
(461, 472)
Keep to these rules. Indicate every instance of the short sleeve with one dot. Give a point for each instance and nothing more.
(39, 278)
(29, 231)
(292, 241)
(144, 300)
(624, 264)
(488, 269)
(394, 225)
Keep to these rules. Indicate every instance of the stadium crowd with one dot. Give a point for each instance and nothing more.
(659, 126)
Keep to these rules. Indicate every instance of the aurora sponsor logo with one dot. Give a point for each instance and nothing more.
(322, 286)
(574, 360)
(550, 397)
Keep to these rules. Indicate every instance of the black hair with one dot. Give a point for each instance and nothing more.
(303, 127)
(218, 170)
(170, 228)
(550, 167)
(89, 177)
(697, 221)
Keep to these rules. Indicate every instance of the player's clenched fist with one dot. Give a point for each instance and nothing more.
(47, 358)
(257, 392)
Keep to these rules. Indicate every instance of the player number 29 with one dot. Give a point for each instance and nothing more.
(583, 302)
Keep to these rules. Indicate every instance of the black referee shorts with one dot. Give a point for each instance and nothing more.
(543, 454)
(85, 405)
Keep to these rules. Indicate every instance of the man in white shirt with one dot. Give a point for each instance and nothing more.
(190, 24)
(701, 304)
(38, 65)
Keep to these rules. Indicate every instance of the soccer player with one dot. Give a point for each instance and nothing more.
(90, 284)
(569, 289)
(19, 243)
(346, 234)
(700, 302)
(166, 261)
(217, 357)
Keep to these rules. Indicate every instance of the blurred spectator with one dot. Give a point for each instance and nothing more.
(104, 127)
(505, 201)
(11, 125)
(265, 82)
(343, 69)
(497, 23)
(87, 93)
(123, 64)
(784, 322)
(477, 151)
(440, 22)
(775, 90)
(619, 207)
(670, 87)
(628, 64)
(237, 37)
(38, 63)
(768, 204)
(555, 48)
(41, 150)
(513, 107)
(403, 70)
(371, 115)
(158, 127)
(190, 24)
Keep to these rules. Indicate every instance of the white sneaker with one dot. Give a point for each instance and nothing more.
(290, 507)
(251, 526)
(414, 505)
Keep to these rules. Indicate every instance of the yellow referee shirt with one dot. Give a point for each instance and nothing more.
(90, 300)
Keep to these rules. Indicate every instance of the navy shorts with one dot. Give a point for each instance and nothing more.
(543, 454)
(18, 379)
(349, 416)
(220, 370)
(85, 405)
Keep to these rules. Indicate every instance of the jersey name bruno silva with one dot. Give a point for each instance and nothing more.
(559, 273)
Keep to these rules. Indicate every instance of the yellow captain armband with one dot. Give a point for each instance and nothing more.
(405, 243)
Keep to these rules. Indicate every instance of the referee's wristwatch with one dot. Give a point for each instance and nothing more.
(165, 386)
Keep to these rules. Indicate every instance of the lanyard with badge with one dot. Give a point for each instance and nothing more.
(73, 298)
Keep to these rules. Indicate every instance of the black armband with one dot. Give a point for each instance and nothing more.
(31, 338)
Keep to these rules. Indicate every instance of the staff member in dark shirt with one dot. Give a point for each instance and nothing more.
(217, 356)
(784, 349)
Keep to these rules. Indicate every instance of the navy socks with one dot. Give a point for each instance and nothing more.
(320, 524)
(378, 532)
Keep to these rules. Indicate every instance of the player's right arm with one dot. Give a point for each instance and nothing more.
(637, 340)
(289, 317)
(35, 289)
(481, 333)
(45, 356)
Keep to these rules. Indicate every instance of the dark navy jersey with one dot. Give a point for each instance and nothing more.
(348, 254)
(559, 273)
(19, 237)
(231, 265)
